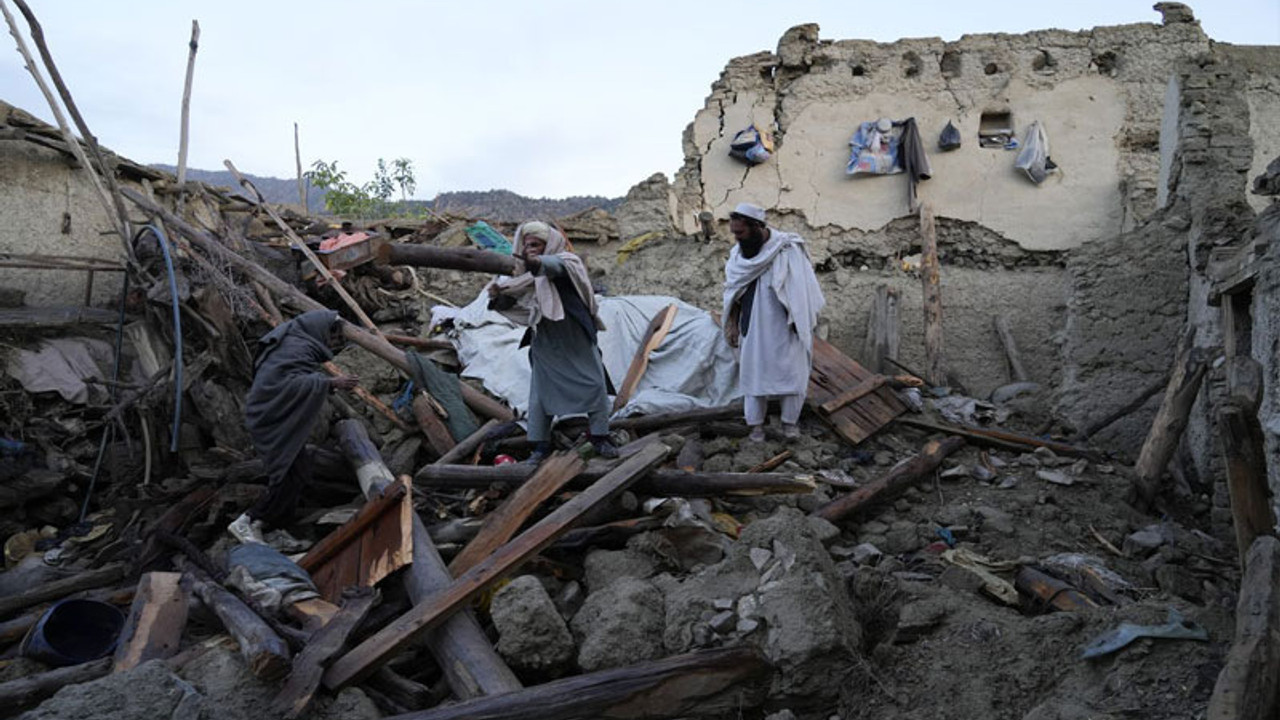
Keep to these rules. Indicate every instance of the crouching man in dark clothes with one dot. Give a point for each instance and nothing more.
(288, 393)
(554, 299)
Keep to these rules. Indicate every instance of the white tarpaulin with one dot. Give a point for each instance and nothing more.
(693, 367)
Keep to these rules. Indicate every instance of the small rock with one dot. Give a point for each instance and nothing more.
(570, 599)
(1008, 483)
(747, 605)
(1143, 542)
(745, 625)
(723, 603)
(781, 715)
(1056, 477)
(532, 634)
(866, 554)
(1180, 582)
(917, 618)
(884, 458)
(1049, 458)
(822, 529)
(981, 474)
(873, 527)
(724, 622)
(902, 505)
(902, 540)
(1105, 469)
(998, 520)
(760, 557)
(841, 552)
(955, 473)
(1079, 467)
(961, 579)
(1028, 460)
(996, 462)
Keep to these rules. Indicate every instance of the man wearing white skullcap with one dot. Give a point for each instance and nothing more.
(771, 304)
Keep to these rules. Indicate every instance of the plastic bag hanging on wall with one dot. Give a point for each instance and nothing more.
(873, 149)
(949, 138)
(751, 146)
(1033, 159)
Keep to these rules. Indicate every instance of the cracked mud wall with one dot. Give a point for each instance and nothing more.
(1099, 93)
(49, 208)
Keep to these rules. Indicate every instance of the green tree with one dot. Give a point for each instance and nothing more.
(373, 199)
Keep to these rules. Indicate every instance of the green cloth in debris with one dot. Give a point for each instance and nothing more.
(445, 388)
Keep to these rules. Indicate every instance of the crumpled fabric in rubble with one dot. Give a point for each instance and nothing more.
(268, 577)
(62, 365)
(969, 411)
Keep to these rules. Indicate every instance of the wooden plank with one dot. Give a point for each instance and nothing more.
(696, 684)
(501, 524)
(882, 329)
(1189, 368)
(433, 427)
(893, 483)
(156, 621)
(657, 331)
(772, 462)
(58, 589)
(866, 387)
(1249, 684)
(353, 528)
(833, 373)
(645, 424)
(1244, 448)
(308, 667)
(1003, 439)
(465, 259)
(370, 654)
(470, 664)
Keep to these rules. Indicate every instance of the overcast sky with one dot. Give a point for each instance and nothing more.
(546, 98)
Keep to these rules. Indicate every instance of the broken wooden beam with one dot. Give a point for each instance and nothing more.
(855, 393)
(418, 342)
(351, 530)
(701, 683)
(1189, 367)
(24, 692)
(930, 278)
(448, 258)
(645, 424)
(370, 654)
(659, 481)
(467, 446)
(1249, 684)
(157, 618)
(1001, 439)
(462, 650)
(1017, 373)
(1244, 448)
(882, 330)
(262, 649)
(657, 331)
(892, 484)
(300, 686)
(501, 524)
(433, 426)
(56, 317)
(57, 589)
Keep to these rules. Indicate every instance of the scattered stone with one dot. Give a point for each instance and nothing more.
(746, 625)
(605, 566)
(955, 473)
(962, 579)
(1008, 483)
(1105, 469)
(998, 520)
(760, 557)
(1028, 460)
(902, 540)
(981, 474)
(724, 622)
(1180, 582)
(781, 715)
(1056, 477)
(996, 461)
(619, 625)
(570, 599)
(148, 691)
(917, 618)
(873, 527)
(1079, 467)
(724, 604)
(867, 554)
(824, 530)
(902, 505)
(532, 633)
(1049, 458)
(884, 458)
(1143, 542)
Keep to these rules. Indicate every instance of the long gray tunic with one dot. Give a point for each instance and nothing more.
(568, 375)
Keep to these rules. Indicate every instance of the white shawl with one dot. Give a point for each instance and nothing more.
(792, 279)
(536, 295)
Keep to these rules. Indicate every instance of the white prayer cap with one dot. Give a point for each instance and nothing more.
(755, 212)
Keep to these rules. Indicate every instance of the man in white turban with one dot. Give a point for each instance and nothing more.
(771, 304)
(554, 299)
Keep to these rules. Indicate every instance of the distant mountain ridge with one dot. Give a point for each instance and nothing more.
(500, 205)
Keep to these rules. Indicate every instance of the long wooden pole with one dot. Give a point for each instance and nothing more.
(428, 614)
(1189, 368)
(696, 684)
(297, 158)
(467, 259)
(470, 664)
(930, 277)
(658, 482)
(894, 483)
(1244, 448)
(193, 45)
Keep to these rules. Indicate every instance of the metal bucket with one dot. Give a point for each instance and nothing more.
(74, 631)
